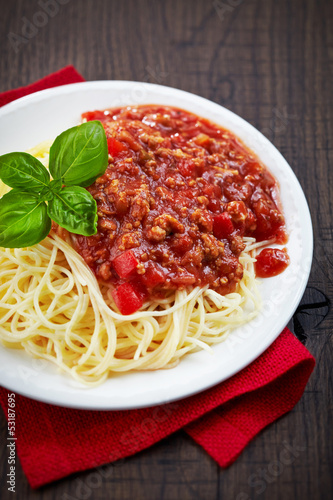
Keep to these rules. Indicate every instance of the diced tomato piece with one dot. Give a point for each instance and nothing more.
(186, 167)
(212, 190)
(153, 276)
(182, 244)
(214, 205)
(140, 288)
(127, 299)
(222, 226)
(213, 194)
(266, 228)
(125, 264)
(94, 115)
(115, 147)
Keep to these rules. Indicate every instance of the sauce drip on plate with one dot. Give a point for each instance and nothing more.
(271, 262)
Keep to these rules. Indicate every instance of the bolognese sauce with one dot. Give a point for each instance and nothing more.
(174, 203)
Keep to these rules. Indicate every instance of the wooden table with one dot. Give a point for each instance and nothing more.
(269, 62)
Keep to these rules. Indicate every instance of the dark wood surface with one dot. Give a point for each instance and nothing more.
(271, 63)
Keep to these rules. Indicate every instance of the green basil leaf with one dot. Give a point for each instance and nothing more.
(23, 171)
(23, 220)
(80, 154)
(74, 209)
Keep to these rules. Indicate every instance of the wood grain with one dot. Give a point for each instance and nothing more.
(271, 63)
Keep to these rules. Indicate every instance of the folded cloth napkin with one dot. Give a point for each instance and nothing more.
(61, 77)
(53, 442)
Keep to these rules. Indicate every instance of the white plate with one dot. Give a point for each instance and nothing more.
(43, 115)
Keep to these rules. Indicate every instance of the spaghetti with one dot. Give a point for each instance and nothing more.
(52, 306)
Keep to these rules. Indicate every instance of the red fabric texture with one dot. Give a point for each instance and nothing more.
(62, 77)
(53, 442)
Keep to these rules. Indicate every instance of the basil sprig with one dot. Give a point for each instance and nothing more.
(78, 157)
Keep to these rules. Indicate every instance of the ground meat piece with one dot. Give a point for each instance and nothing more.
(169, 223)
(127, 137)
(163, 193)
(237, 211)
(113, 187)
(237, 245)
(212, 246)
(170, 182)
(156, 234)
(203, 200)
(121, 202)
(140, 205)
(105, 271)
(107, 224)
(130, 240)
(144, 156)
(154, 141)
(164, 152)
(203, 219)
(194, 256)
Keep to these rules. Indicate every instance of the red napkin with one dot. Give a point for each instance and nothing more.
(61, 77)
(53, 442)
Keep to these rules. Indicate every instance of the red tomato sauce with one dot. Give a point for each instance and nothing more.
(271, 262)
(176, 199)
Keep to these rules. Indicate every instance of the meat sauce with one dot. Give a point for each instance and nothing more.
(177, 197)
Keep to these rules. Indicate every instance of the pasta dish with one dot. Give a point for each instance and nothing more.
(183, 207)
